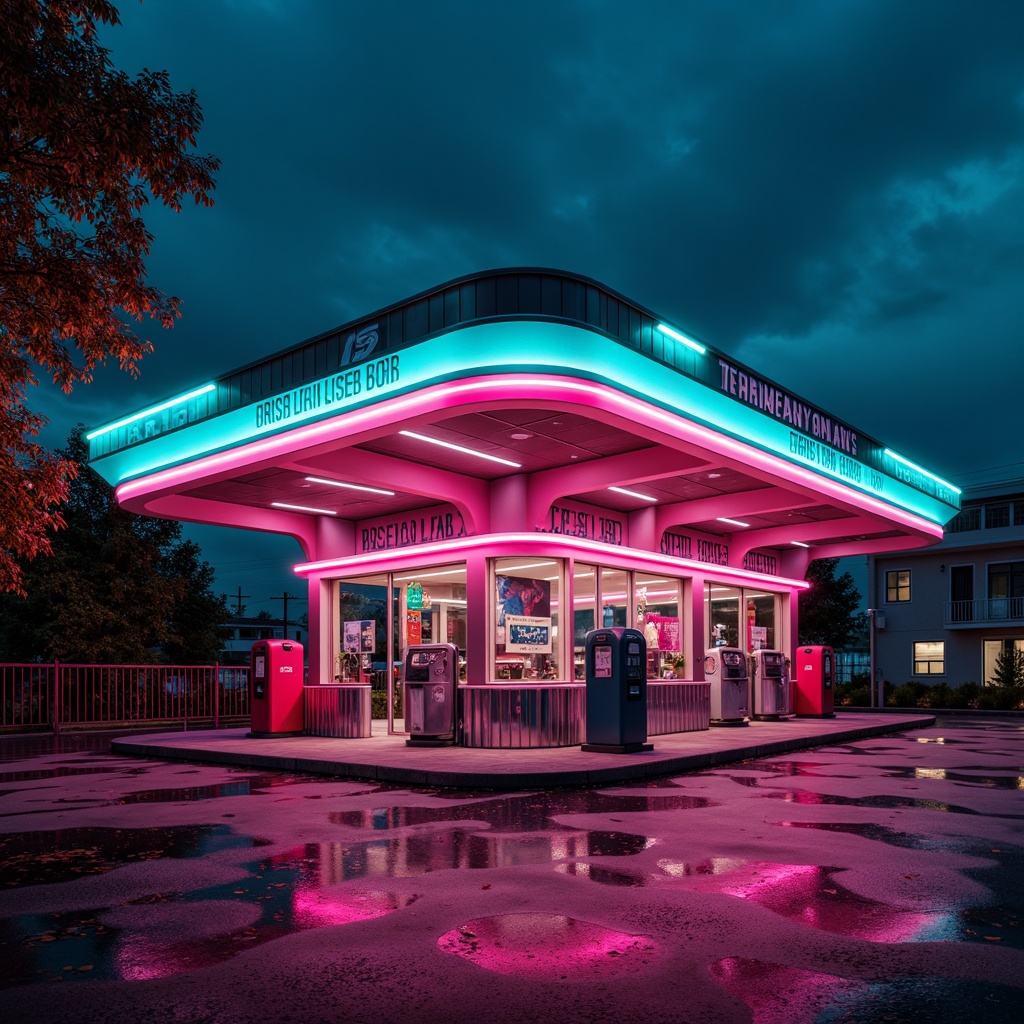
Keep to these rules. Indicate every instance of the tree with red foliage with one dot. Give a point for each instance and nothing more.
(83, 147)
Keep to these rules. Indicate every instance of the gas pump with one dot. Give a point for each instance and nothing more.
(431, 673)
(725, 668)
(813, 696)
(275, 688)
(616, 668)
(769, 685)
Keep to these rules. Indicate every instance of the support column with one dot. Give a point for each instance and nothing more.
(477, 624)
(695, 629)
(318, 646)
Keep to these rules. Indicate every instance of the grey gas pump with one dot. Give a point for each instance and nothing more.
(616, 670)
(769, 685)
(725, 668)
(430, 679)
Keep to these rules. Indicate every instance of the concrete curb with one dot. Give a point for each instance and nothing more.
(388, 760)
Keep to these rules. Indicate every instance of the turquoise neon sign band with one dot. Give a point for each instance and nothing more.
(510, 347)
(151, 411)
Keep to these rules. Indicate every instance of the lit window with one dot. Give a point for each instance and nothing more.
(897, 585)
(929, 658)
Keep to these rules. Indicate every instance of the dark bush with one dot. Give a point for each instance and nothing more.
(1001, 698)
(379, 704)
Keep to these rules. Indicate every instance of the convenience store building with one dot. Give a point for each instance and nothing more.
(510, 460)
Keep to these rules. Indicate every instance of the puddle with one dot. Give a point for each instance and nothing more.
(43, 858)
(242, 787)
(960, 777)
(867, 830)
(532, 812)
(805, 796)
(550, 946)
(778, 994)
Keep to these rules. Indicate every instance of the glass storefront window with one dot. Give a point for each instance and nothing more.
(657, 616)
(760, 616)
(584, 586)
(527, 592)
(433, 607)
(615, 597)
(359, 626)
(722, 615)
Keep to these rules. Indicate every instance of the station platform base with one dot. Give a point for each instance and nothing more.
(385, 758)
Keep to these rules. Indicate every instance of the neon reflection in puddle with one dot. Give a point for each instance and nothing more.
(549, 945)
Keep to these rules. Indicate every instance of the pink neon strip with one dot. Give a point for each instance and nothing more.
(497, 544)
(504, 387)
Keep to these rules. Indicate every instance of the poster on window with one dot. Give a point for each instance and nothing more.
(525, 598)
(665, 631)
(360, 636)
(527, 634)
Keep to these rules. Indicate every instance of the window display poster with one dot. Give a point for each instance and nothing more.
(359, 637)
(527, 634)
(519, 596)
(413, 627)
(667, 627)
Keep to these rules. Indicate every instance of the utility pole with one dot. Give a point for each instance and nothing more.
(285, 598)
(239, 607)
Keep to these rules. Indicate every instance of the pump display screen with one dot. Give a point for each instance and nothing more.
(603, 662)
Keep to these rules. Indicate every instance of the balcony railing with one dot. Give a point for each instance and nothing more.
(986, 612)
(55, 695)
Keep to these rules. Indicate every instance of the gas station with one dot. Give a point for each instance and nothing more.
(486, 479)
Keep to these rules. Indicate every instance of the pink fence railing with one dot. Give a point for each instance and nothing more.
(56, 695)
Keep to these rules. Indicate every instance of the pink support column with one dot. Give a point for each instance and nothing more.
(477, 631)
(694, 628)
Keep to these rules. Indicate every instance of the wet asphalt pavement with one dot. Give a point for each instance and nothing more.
(877, 881)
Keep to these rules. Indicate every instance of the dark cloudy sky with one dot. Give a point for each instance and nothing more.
(830, 190)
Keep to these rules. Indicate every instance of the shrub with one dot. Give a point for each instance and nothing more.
(379, 704)
(907, 695)
(1001, 698)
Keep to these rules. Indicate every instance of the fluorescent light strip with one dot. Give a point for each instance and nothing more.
(731, 522)
(460, 448)
(799, 544)
(682, 339)
(504, 544)
(204, 390)
(303, 508)
(516, 568)
(632, 494)
(920, 469)
(430, 575)
(351, 487)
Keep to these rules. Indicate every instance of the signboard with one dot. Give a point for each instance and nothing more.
(574, 519)
(442, 522)
(527, 634)
(359, 636)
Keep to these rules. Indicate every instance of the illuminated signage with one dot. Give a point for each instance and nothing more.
(572, 519)
(441, 523)
(553, 360)
(695, 546)
(327, 395)
(769, 398)
(759, 561)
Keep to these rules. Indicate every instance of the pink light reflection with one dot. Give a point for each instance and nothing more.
(810, 895)
(545, 945)
(777, 994)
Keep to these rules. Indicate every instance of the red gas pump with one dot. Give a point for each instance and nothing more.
(275, 688)
(813, 696)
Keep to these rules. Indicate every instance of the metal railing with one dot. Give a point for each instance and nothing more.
(56, 695)
(986, 611)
